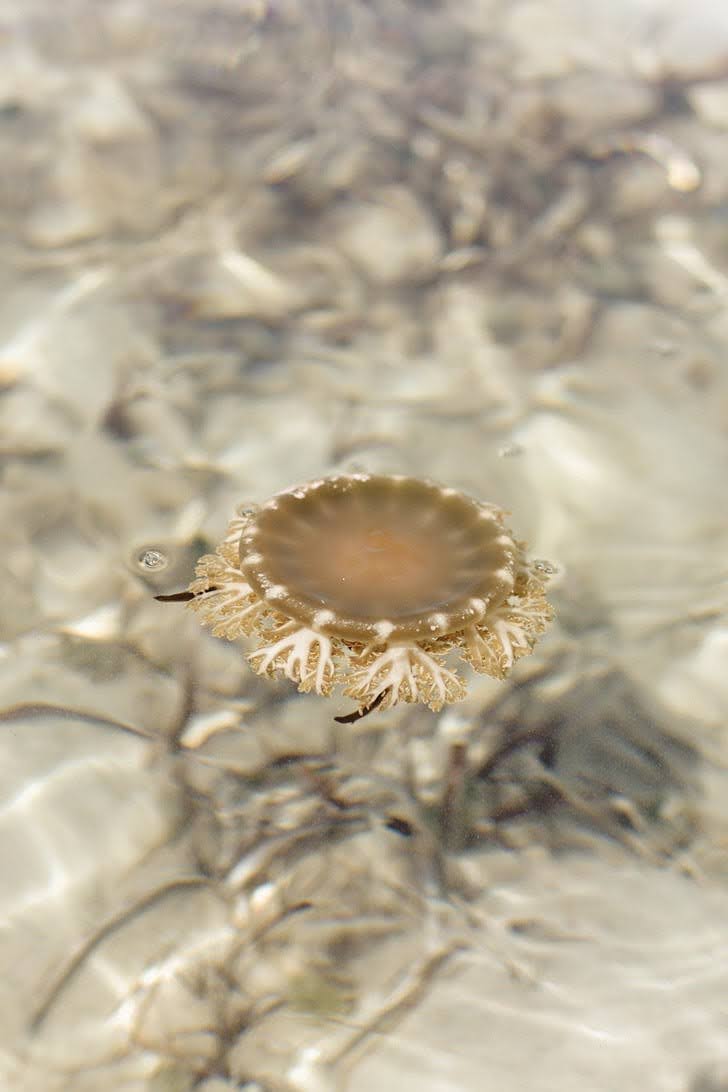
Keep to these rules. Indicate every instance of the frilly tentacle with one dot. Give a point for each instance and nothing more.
(493, 645)
(302, 655)
(404, 673)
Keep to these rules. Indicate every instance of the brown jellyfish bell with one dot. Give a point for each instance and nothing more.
(371, 582)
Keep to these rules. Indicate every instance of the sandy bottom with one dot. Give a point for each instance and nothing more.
(250, 242)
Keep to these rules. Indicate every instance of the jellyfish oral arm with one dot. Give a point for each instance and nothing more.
(511, 637)
(303, 655)
(229, 610)
(405, 673)
(223, 597)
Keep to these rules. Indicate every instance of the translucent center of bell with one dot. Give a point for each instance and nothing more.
(380, 571)
(376, 550)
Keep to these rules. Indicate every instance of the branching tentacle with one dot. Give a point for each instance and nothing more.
(404, 673)
(304, 656)
(223, 598)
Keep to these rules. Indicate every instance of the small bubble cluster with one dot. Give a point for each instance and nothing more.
(152, 560)
(545, 568)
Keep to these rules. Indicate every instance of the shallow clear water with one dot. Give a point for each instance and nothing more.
(250, 242)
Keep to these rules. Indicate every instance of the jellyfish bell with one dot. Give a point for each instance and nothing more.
(371, 582)
(358, 556)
